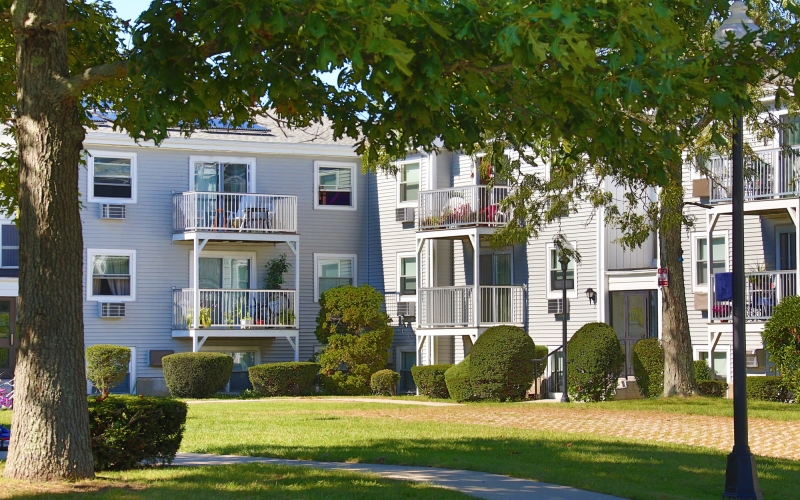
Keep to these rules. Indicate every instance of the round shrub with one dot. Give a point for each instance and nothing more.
(781, 338)
(384, 382)
(106, 366)
(196, 374)
(594, 362)
(363, 354)
(648, 366)
(430, 380)
(768, 389)
(501, 363)
(539, 367)
(712, 388)
(701, 370)
(284, 379)
(459, 385)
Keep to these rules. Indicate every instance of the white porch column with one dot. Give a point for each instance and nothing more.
(476, 277)
(295, 247)
(419, 285)
(196, 291)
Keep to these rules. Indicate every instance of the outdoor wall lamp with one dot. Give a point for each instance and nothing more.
(591, 295)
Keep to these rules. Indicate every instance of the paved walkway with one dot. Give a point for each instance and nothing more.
(312, 399)
(477, 484)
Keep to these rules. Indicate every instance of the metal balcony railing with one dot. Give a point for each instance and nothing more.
(235, 309)
(468, 206)
(234, 212)
(774, 174)
(763, 291)
(453, 306)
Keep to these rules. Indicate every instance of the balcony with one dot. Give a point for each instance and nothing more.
(763, 291)
(775, 174)
(454, 307)
(470, 206)
(234, 213)
(235, 309)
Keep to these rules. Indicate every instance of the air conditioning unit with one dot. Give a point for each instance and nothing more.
(555, 306)
(752, 361)
(408, 310)
(112, 211)
(404, 214)
(112, 310)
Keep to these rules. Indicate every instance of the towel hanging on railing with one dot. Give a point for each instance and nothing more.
(723, 286)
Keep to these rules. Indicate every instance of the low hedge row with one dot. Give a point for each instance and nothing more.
(284, 379)
(430, 380)
(127, 431)
(712, 388)
(648, 367)
(384, 382)
(196, 374)
(501, 364)
(768, 389)
(459, 385)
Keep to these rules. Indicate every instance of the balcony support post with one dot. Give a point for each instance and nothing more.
(475, 238)
(196, 286)
(420, 319)
(294, 246)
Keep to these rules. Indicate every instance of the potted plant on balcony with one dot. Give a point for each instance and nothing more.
(246, 321)
(275, 269)
(205, 317)
(723, 312)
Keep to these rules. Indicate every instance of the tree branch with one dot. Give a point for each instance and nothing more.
(75, 85)
(701, 205)
(6, 14)
(701, 124)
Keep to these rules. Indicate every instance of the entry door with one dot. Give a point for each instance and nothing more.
(8, 315)
(495, 301)
(631, 321)
(407, 360)
(787, 261)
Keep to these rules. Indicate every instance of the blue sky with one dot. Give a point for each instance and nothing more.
(130, 9)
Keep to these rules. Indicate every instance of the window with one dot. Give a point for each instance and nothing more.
(243, 358)
(111, 276)
(221, 174)
(791, 136)
(9, 246)
(720, 252)
(407, 274)
(225, 273)
(335, 185)
(333, 271)
(719, 367)
(555, 282)
(112, 177)
(408, 183)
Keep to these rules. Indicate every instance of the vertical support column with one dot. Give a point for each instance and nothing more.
(475, 238)
(295, 246)
(601, 265)
(297, 348)
(420, 295)
(196, 291)
(710, 219)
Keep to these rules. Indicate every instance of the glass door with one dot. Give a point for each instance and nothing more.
(8, 315)
(407, 360)
(496, 301)
(630, 318)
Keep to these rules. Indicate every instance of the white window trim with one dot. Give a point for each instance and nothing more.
(220, 254)
(131, 370)
(90, 254)
(3, 266)
(90, 156)
(557, 294)
(325, 256)
(400, 164)
(400, 296)
(727, 349)
(693, 260)
(249, 160)
(353, 186)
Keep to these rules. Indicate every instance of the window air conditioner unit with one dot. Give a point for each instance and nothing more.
(752, 361)
(404, 214)
(112, 310)
(407, 309)
(555, 306)
(112, 211)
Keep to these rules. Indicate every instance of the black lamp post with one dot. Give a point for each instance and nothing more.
(564, 261)
(741, 479)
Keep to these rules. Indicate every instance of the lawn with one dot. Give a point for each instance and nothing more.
(245, 481)
(331, 432)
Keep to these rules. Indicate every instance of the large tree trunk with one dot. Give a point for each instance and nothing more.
(50, 429)
(677, 342)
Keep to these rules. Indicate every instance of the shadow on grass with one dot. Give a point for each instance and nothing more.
(630, 470)
(231, 481)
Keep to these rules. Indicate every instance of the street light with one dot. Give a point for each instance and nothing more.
(563, 259)
(741, 479)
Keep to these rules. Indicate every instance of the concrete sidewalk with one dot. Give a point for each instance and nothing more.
(477, 484)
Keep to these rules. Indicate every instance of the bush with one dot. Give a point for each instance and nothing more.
(781, 337)
(284, 379)
(106, 366)
(349, 310)
(712, 388)
(768, 389)
(648, 366)
(430, 380)
(701, 370)
(459, 385)
(594, 362)
(384, 382)
(196, 374)
(540, 351)
(127, 431)
(501, 364)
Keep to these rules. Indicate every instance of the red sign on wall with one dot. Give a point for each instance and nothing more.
(663, 276)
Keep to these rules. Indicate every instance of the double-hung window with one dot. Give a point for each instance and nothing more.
(720, 256)
(555, 279)
(335, 185)
(9, 241)
(112, 177)
(791, 136)
(408, 183)
(111, 276)
(333, 271)
(407, 274)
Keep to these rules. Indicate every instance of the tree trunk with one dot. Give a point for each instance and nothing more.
(676, 340)
(50, 429)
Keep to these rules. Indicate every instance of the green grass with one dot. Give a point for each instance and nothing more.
(244, 481)
(626, 468)
(716, 407)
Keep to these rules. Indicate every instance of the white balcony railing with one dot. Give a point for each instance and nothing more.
(228, 308)
(234, 212)
(453, 306)
(763, 291)
(468, 206)
(774, 174)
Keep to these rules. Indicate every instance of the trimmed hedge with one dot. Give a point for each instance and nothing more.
(127, 432)
(768, 389)
(459, 385)
(540, 351)
(501, 364)
(106, 366)
(594, 362)
(701, 370)
(712, 388)
(430, 380)
(648, 367)
(384, 382)
(284, 379)
(196, 374)
(781, 338)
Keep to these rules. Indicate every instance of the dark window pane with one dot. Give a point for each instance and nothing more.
(408, 286)
(10, 257)
(112, 190)
(326, 284)
(10, 235)
(339, 198)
